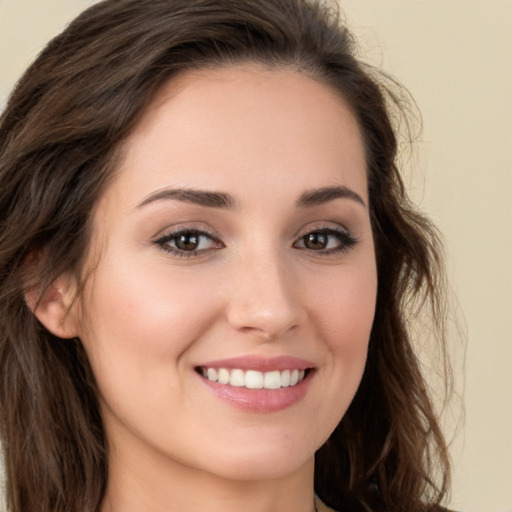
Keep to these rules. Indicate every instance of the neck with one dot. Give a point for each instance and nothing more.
(140, 481)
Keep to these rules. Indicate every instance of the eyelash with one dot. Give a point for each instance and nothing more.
(346, 241)
(163, 242)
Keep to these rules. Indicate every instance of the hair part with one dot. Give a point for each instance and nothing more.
(61, 136)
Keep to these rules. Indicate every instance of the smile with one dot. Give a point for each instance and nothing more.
(254, 379)
(258, 384)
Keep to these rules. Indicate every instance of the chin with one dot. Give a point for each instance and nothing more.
(263, 460)
(269, 468)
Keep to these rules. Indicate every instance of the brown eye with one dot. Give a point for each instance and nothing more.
(187, 242)
(316, 241)
(326, 241)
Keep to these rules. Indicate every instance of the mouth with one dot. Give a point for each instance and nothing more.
(258, 384)
(254, 379)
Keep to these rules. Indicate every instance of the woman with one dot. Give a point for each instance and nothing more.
(207, 259)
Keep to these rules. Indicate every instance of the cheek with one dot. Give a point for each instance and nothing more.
(351, 317)
(140, 318)
(344, 314)
(344, 305)
(341, 311)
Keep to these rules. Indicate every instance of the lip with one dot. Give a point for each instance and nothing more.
(260, 400)
(261, 364)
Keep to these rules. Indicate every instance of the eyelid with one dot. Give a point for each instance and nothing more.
(346, 240)
(345, 236)
(179, 227)
(167, 235)
(323, 226)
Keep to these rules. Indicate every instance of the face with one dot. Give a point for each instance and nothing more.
(228, 314)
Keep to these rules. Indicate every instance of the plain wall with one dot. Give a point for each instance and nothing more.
(455, 57)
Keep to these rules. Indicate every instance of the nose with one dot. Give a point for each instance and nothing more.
(263, 298)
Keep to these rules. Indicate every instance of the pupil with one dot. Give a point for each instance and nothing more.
(187, 242)
(316, 241)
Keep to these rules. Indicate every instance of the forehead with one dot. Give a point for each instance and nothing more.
(240, 127)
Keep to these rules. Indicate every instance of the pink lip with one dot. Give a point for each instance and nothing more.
(261, 364)
(260, 400)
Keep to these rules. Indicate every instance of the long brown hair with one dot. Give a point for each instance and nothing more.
(60, 135)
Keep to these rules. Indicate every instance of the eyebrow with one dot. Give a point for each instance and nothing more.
(323, 195)
(199, 197)
(209, 199)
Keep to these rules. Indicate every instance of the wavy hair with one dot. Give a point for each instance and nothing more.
(60, 136)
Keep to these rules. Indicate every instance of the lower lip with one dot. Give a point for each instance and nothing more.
(260, 400)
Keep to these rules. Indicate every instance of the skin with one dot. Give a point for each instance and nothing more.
(148, 317)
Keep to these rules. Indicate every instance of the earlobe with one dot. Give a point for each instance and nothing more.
(56, 308)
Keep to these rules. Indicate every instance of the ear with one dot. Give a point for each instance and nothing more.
(56, 308)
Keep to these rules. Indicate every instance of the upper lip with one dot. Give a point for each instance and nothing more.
(262, 364)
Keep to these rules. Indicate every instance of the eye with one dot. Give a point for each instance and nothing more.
(188, 242)
(326, 241)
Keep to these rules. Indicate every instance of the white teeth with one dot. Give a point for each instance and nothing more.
(285, 378)
(272, 380)
(223, 376)
(237, 378)
(211, 373)
(254, 379)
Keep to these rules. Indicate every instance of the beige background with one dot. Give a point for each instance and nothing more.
(455, 56)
